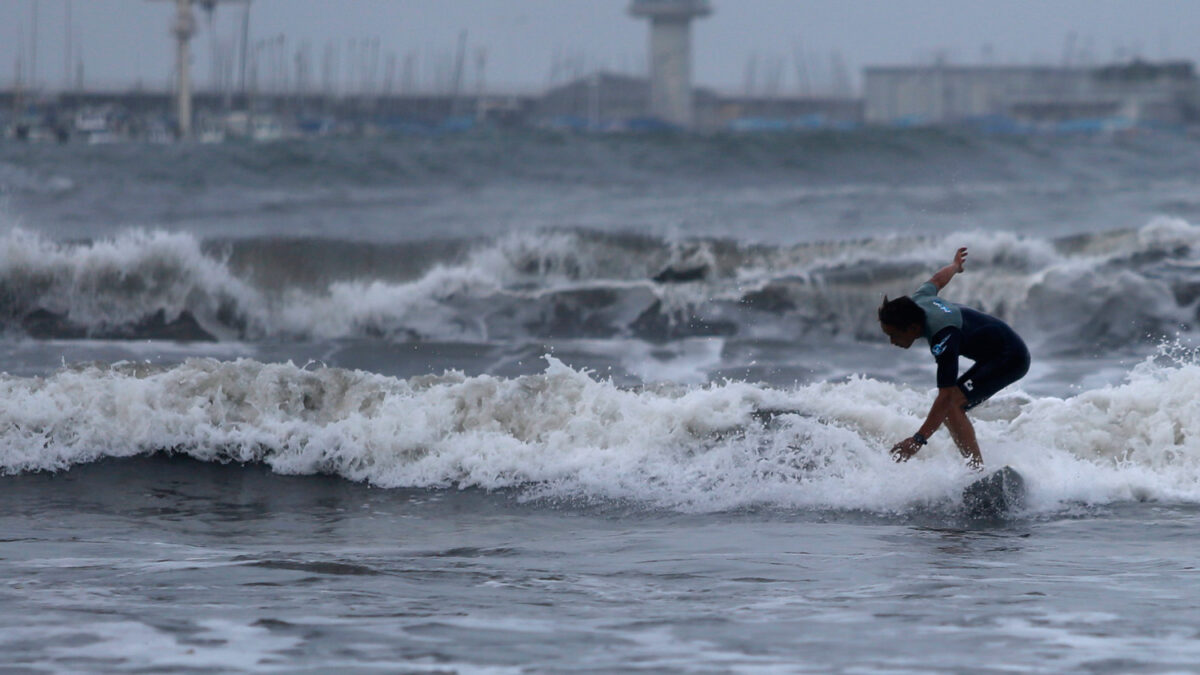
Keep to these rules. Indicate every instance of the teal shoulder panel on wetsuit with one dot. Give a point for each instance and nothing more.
(938, 313)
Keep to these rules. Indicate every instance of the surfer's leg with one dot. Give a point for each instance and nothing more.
(977, 385)
(988, 376)
(963, 433)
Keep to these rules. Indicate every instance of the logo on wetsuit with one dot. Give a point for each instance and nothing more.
(968, 385)
(940, 347)
(939, 305)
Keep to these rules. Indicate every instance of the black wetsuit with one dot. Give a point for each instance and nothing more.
(1000, 355)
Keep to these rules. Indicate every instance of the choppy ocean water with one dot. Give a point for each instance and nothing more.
(527, 403)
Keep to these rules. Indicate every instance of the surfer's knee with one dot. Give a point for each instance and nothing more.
(956, 417)
(958, 400)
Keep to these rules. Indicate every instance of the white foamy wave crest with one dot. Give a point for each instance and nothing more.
(1107, 290)
(526, 257)
(1093, 291)
(439, 304)
(506, 289)
(563, 434)
(118, 281)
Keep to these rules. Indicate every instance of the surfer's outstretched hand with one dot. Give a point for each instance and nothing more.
(905, 449)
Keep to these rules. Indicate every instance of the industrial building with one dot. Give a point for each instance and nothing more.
(950, 94)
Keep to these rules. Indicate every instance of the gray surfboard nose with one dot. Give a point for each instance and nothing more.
(996, 495)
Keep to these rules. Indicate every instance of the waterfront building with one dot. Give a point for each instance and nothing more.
(950, 94)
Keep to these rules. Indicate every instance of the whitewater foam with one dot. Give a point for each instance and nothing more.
(564, 434)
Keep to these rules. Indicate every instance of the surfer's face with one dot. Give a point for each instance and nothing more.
(901, 337)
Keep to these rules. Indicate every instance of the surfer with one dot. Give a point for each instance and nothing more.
(1000, 357)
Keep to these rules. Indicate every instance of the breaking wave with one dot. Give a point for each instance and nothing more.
(565, 435)
(1088, 292)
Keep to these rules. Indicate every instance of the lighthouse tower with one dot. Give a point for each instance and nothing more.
(671, 55)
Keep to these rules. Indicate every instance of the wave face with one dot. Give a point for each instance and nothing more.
(1079, 293)
(564, 435)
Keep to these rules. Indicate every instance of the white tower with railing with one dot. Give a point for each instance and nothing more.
(671, 55)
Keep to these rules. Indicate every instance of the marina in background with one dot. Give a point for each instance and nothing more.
(266, 89)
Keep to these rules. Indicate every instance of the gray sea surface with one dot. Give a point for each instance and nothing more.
(171, 565)
(514, 402)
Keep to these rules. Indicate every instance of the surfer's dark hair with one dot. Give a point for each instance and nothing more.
(901, 312)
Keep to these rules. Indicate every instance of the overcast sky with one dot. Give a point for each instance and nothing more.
(124, 41)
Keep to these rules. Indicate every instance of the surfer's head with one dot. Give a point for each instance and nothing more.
(901, 320)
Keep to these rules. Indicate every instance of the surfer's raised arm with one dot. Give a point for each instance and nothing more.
(944, 275)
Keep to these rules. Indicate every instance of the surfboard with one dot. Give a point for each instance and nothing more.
(996, 495)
